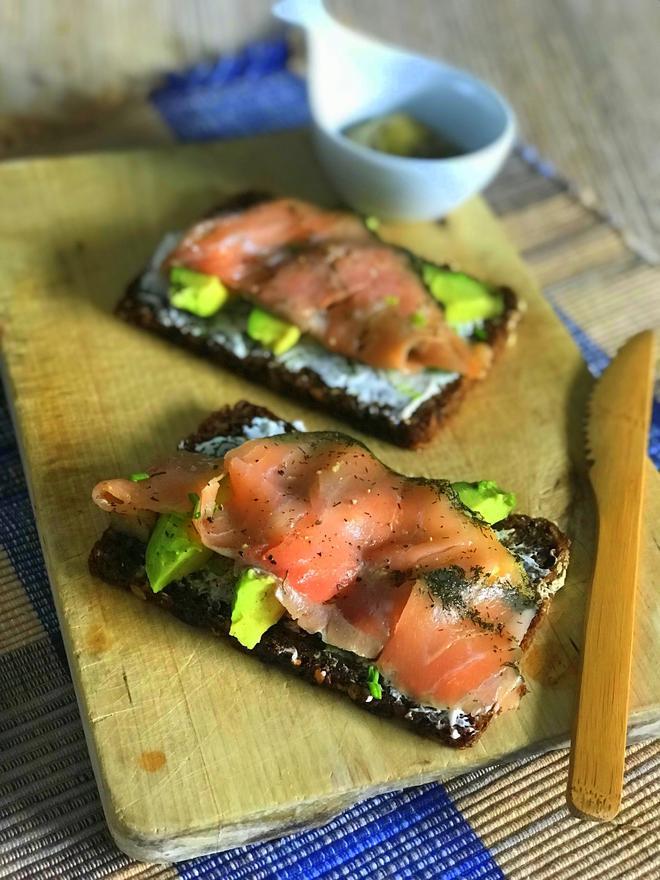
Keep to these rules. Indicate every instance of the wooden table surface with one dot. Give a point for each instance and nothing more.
(582, 75)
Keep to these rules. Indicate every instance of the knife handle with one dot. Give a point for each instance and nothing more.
(598, 746)
(596, 773)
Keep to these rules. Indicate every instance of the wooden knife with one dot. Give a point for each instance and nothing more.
(617, 437)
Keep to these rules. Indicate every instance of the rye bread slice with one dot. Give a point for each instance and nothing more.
(306, 384)
(203, 599)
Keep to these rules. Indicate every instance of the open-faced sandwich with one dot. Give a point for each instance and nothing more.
(312, 303)
(416, 598)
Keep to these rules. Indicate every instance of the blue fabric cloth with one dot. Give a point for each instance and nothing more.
(18, 533)
(417, 834)
(247, 93)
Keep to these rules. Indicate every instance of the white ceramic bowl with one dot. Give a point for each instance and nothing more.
(353, 78)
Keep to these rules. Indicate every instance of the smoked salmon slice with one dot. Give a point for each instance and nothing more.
(447, 655)
(362, 300)
(324, 272)
(165, 488)
(389, 567)
(242, 246)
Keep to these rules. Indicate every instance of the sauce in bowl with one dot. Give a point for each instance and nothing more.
(401, 134)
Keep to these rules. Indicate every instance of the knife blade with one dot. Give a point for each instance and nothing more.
(617, 437)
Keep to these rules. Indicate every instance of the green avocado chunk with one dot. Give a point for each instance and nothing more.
(255, 607)
(465, 299)
(201, 295)
(271, 331)
(487, 499)
(173, 551)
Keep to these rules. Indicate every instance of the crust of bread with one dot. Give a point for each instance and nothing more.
(118, 559)
(306, 385)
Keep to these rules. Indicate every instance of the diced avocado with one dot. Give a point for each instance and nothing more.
(468, 310)
(202, 295)
(373, 683)
(400, 134)
(487, 499)
(271, 331)
(255, 608)
(465, 299)
(173, 551)
(139, 477)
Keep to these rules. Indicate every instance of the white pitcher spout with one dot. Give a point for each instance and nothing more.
(309, 14)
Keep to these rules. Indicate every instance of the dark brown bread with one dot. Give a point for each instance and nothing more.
(118, 559)
(306, 385)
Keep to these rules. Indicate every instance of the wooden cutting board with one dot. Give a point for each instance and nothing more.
(195, 746)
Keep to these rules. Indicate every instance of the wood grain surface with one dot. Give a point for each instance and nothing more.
(195, 746)
(581, 75)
